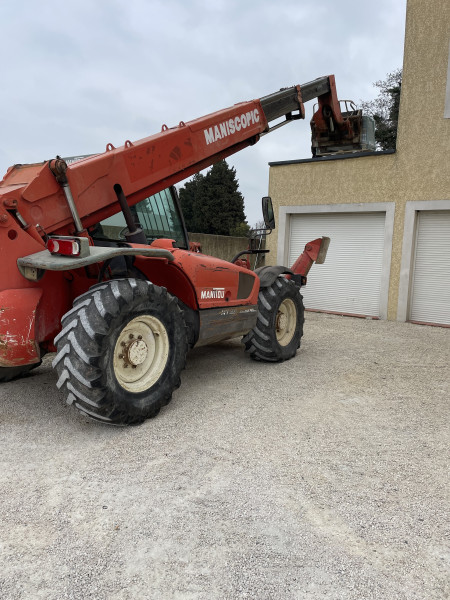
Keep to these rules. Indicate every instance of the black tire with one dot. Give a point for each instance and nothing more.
(121, 351)
(279, 328)
(8, 373)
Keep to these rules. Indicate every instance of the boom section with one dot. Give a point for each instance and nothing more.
(142, 168)
(288, 100)
(147, 166)
(152, 164)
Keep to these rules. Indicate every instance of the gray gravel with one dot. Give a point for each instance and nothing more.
(323, 477)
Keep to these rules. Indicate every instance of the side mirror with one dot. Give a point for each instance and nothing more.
(267, 210)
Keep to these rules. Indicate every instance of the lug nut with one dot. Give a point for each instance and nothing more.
(139, 337)
(122, 343)
(120, 355)
(131, 336)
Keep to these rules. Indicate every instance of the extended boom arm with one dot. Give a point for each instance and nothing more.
(66, 199)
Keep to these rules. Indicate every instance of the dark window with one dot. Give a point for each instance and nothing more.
(157, 215)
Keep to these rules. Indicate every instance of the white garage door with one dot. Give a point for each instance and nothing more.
(430, 294)
(350, 279)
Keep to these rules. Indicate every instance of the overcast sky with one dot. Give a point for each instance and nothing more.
(79, 74)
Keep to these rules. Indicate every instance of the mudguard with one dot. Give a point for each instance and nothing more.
(18, 345)
(268, 274)
(33, 265)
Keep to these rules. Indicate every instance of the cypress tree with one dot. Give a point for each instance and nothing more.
(188, 195)
(213, 203)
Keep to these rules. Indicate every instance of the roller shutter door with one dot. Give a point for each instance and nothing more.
(430, 293)
(349, 281)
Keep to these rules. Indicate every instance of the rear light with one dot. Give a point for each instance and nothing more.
(68, 246)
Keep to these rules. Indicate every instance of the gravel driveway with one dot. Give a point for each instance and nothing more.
(323, 477)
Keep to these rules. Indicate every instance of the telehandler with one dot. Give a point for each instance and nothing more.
(97, 266)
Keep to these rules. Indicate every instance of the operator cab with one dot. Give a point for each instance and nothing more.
(159, 216)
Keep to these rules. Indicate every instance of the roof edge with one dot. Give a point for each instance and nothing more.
(320, 159)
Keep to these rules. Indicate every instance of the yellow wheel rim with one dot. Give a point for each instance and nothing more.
(286, 322)
(141, 353)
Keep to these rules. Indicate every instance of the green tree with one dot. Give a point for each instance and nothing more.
(188, 195)
(212, 203)
(240, 230)
(384, 109)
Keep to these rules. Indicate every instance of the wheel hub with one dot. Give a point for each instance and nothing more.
(281, 321)
(137, 352)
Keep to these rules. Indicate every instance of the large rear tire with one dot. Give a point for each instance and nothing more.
(121, 351)
(279, 328)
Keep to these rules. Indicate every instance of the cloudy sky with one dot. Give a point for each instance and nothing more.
(79, 74)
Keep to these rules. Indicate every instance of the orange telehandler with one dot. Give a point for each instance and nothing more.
(97, 265)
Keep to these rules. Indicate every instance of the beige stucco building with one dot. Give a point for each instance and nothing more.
(388, 214)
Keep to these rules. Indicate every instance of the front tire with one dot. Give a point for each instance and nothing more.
(121, 351)
(279, 328)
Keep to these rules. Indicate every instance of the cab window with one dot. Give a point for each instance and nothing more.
(157, 215)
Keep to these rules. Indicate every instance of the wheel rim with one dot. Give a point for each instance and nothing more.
(141, 353)
(286, 321)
